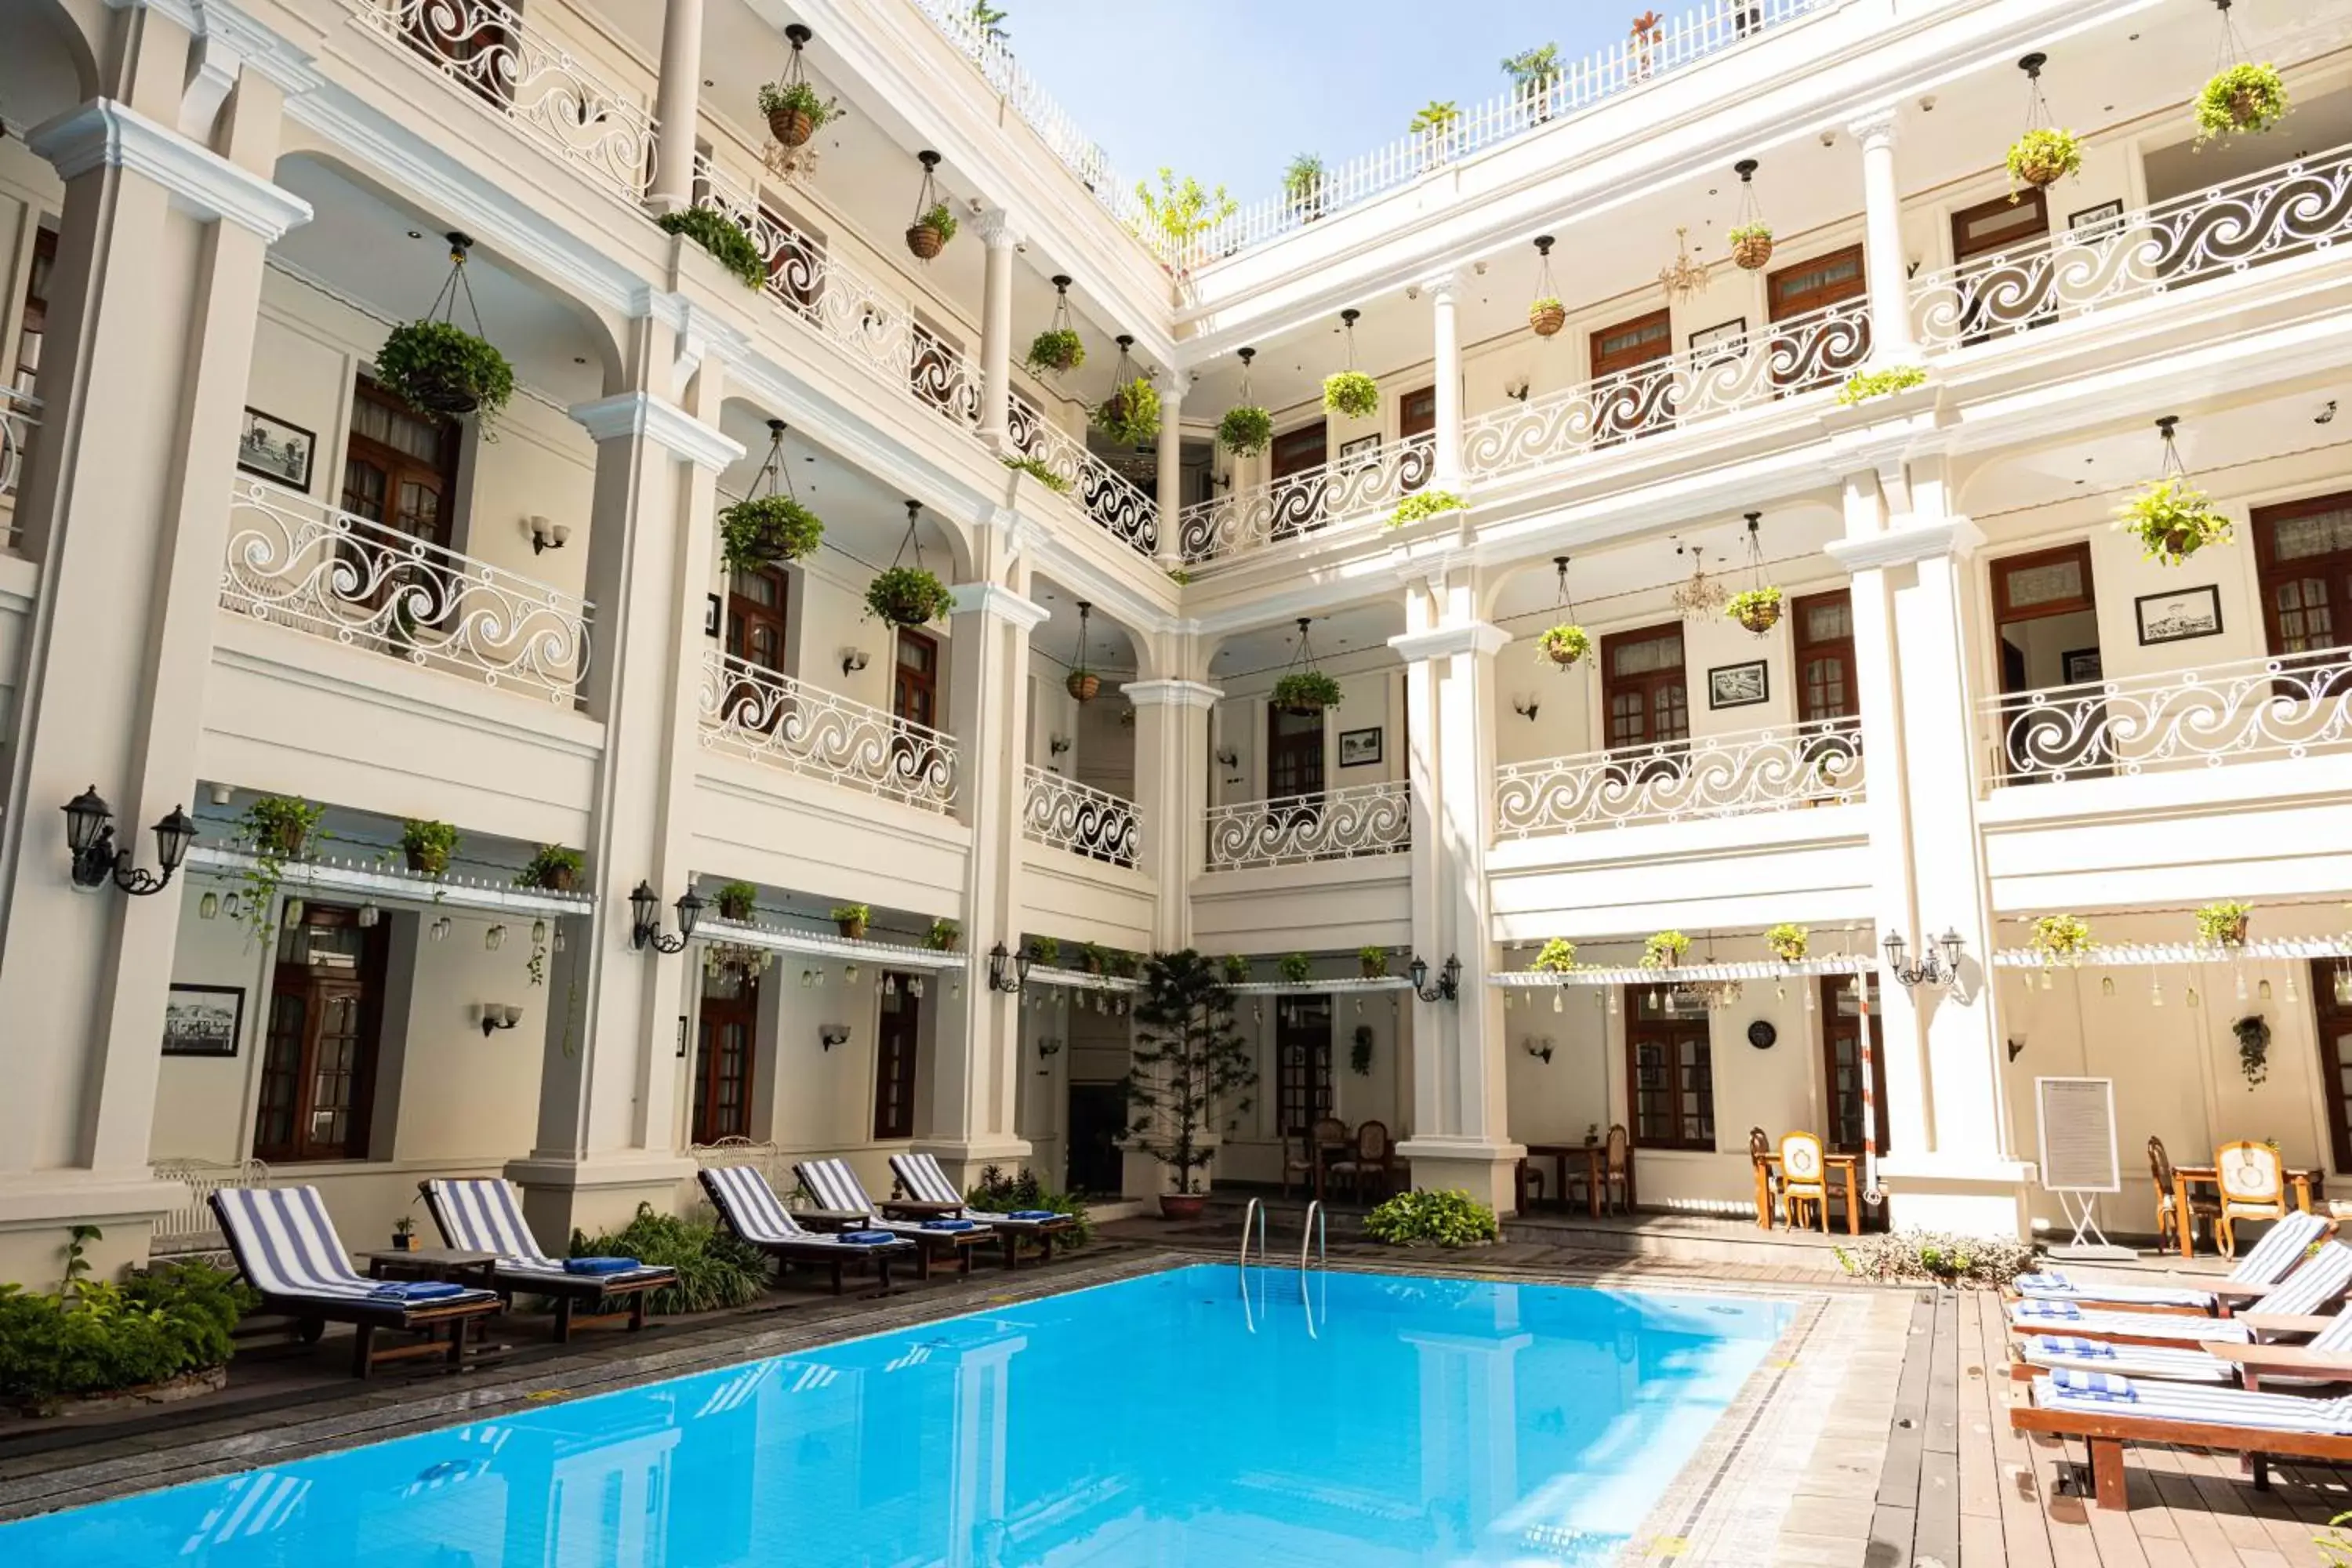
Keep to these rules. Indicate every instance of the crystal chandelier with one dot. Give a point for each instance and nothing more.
(732, 963)
(1701, 596)
(1717, 994)
(1685, 277)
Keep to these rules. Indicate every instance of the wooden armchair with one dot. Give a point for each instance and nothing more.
(1373, 1156)
(1804, 1179)
(2254, 1187)
(2169, 1219)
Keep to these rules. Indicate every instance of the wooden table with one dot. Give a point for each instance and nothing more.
(830, 1220)
(1596, 1159)
(1847, 1165)
(2307, 1186)
(442, 1263)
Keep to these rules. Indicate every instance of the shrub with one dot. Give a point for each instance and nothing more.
(855, 915)
(724, 238)
(1307, 691)
(996, 1193)
(1864, 384)
(1448, 1219)
(1131, 416)
(438, 367)
(1296, 968)
(908, 596)
(93, 1337)
(767, 529)
(2172, 520)
(2061, 938)
(943, 935)
(1558, 957)
(1935, 1257)
(1424, 504)
(715, 1271)
(1055, 349)
(1665, 950)
(2247, 98)
(1045, 949)
(1036, 469)
(1788, 943)
(1351, 392)
(1246, 431)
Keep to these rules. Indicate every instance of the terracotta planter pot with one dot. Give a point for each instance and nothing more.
(792, 127)
(1562, 657)
(1547, 321)
(558, 878)
(734, 909)
(1754, 253)
(285, 842)
(1761, 618)
(1182, 1206)
(924, 241)
(1084, 685)
(854, 931)
(427, 862)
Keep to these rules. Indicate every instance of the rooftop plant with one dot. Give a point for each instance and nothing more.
(1424, 504)
(1182, 211)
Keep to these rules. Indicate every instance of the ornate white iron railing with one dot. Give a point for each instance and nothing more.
(488, 48)
(1714, 775)
(1701, 31)
(772, 718)
(296, 562)
(1804, 354)
(193, 1228)
(2294, 207)
(1103, 492)
(1337, 825)
(2289, 705)
(19, 416)
(761, 1154)
(1244, 520)
(1078, 817)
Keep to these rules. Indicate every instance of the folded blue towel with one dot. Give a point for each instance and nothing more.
(949, 1225)
(1032, 1214)
(867, 1237)
(2044, 1282)
(2074, 1349)
(600, 1266)
(2101, 1386)
(416, 1290)
(2061, 1311)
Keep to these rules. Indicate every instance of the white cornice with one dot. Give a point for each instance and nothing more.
(103, 132)
(666, 424)
(1907, 546)
(1172, 693)
(1443, 642)
(996, 599)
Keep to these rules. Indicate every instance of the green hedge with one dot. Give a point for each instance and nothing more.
(96, 1338)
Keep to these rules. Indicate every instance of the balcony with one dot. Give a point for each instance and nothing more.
(772, 719)
(1241, 521)
(1064, 814)
(1300, 830)
(293, 561)
(1099, 490)
(1808, 766)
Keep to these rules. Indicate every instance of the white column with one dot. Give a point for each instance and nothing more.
(1890, 341)
(1171, 794)
(677, 107)
(1446, 334)
(1167, 492)
(996, 327)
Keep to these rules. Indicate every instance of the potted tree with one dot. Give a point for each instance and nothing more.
(1302, 186)
(1564, 645)
(554, 868)
(1757, 609)
(735, 900)
(427, 846)
(908, 596)
(1434, 122)
(2172, 520)
(1188, 1056)
(943, 935)
(851, 919)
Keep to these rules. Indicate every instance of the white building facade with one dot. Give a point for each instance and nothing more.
(236, 572)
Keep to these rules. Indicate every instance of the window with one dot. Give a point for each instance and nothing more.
(1302, 1052)
(721, 1089)
(1295, 451)
(2303, 558)
(915, 679)
(1825, 688)
(36, 308)
(894, 1062)
(1843, 1030)
(1416, 415)
(1982, 236)
(2048, 636)
(1636, 403)
(756, 604)
(2331, 1001)
(1644, 691)
(1294, 754)
(1670, 1064)
(318, 1056)
(401, 467)
(1817, 285)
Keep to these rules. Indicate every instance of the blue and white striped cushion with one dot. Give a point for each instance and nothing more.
(2057, 1351)
(751, 1206)
(2215, 1406)
(2280, 1249)
(286, 1245)
(926, 1182)
(2105, 1385)
(834, 1185)
(2067, 1318)
(484, 1216)
(2315, 1285)
(2062, 1287)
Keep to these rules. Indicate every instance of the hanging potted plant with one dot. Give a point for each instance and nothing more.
(2224, 925)
(1547, 316)
(1788, 943)
(1188, 1058)
(1757, 609)
(2171, 519)
(1351, 392)
(2060, 939)
(1302, 187)
(1058, 348)
(1246, 429)
(1084, 684)
(934, 225)
(2253, 1048)
(1565, 645)
(1129, 417)
(437, 366)
(908, 596)
(427, 846)
(1305, 692)
(2046, 152)
(943, 935)
(553, 869)
(764, 530)
(1664, 949)
(795, 109)
(851, 920)
(1750, 237)
(2248, 99)
(1557, 957)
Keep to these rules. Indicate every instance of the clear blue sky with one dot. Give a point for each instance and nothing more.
(1230, 90)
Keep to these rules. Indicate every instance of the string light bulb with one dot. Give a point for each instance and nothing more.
(2263, 989)
(2156, 991)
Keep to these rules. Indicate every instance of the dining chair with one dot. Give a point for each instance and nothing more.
(1804, 1179)
(1369, 1158)
(1298, 1160)
(1329, 1140)
(1759, 1155)
(1616, 1172)
(2170, 1221)
(2254, 1187)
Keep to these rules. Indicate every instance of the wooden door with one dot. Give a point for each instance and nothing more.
(1302, 1053)
(320, 1046)
(1632, 402)
(2048, 635)
(1983, 237)
(757, 603)
(1843, 1031)
(34, 324)
(1099, 1119)
(894, 1062)
(723, 1060)
(1416, 417)
(1294, 754)
(1807, 360)
(1669, 1063)
(915, 679)
(796, 265)
(2333, 1008)
(1824, 647)
(2303, 558)
(1295, 451)
(1643, 690)
(400, 468)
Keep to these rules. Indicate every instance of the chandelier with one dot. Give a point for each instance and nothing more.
(1717, 994)
(732, 964)
(1699, 597)
(1685, 277)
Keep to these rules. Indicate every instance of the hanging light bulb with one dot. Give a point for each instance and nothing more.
(369, 915)
(2342, 986)
(1555, 1002)
(2156, 991)
(2242, 985)
(538, 932)
(808, 979)
(232, 908)
(2262, 988)
(495, 938)
(441, 928)
(1809, 998)
(2290, 987)
(1779, 992)
(955, 986)
(2107, 984)
(2191, 998)
(294, 907)
(2046, 982)
(558, 944)
(1613, 1001)
(849, 973)
(209, 906)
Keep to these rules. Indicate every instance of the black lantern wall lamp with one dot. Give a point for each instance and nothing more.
(1449, 979)
(997, 960)
(89, 834)
(1934, 968)
(644, 920)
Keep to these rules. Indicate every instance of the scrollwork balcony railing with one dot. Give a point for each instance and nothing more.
(1101, 490)
(295, 562)
(1080, 818)
(490, 51)
(772, 718)
(1244, 520)
(2285, 211)
(19, 415)
(1294, 830)
(1713, 775)
(2289, 705)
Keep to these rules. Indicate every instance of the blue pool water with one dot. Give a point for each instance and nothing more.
(1167, 1421)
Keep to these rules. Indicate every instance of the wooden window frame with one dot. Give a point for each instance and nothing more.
(1639, 1032)
(368, 980)
(1278, 745)
(1611, 683)
(2330, 1018)
(2006, 566)
(1283, 452)
(705, 1080)
(1804, 647)
(2269, 571)
(894, 1068)
(399, 466)
(1303, 1085)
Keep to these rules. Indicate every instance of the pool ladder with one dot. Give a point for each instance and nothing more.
(1316, 1231)
(1254, 1214)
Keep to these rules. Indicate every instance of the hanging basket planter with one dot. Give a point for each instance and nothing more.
(795, 111)
(2045, 154)
(437, 366)
(1246, 429)
(1350, 392)
(1058, 348)
(1084, 684)
(2172, 519)
(1547, 317)
(2243, 100)
(1305, 693)
(1757, 609)
(934, 225)
(765, 530)
(1131, 416)
(1751, 247)
(908, 596)
(1565, 645)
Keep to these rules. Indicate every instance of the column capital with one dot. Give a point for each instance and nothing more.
(659, 421)
(1873, 127)
(996, 600)
(1171, 694)
(1445, 642)
(997, 230)
(1440, 285)
(103, 132)
(1950, 536)
(1171, 384)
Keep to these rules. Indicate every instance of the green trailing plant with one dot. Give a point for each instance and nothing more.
(1564, 644)
(940, 221)
(1351, 392)
(2253, 1034)
(1302, 185)
(1177, 575)
(1788, 943)
(1181, 211)
(795, 111)
(1757, 609)
(1130, 415)
(735, 900)
(943, 935)
(427, 844)
(2060, 939)
(764, 530)
(552, 867)
(1237, 969)
(1438, 1218)
(1295, 968)
(1935, 1257)
(1054, 351)
(2224, 925)
(1424, 504)
(272, 830)
(2172, 520)
(1036, 469)
(996, 1193)
(1246, 431)
(908, 596)
(1557, 956)
(2248, 99)
(1373, 961)
(1665, 950)
(93, 1337)
(1864, 384)
(1188, 1058)
(438, 367)
(1360, 1051)
(2043, 156)
(715, 1271)
(1305, 692)
(724, 238)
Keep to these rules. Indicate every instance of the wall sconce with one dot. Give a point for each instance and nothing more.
(89, 834)
(852, 659)
(1057, 745)
(1934, 968)
(1228, 758)
(497, 1016)
(1525, 707)
(645, 917)
(1517, 389)
(2016, 1047)
(997, 957)
(1048, 1049)
(545, 535)
(1541, 1053)
(1449, 979)
(831, 1035)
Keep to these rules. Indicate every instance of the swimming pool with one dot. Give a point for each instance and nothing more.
(1169, 1419)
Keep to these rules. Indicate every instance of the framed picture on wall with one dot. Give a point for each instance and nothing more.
(2179, 615)
(2081, 666)
(2098, 222)
(204, 1020)
(710, 615)
(1363, 450)
(1738, 685)
(1725, 339)
(270, 448)
(1359, 747)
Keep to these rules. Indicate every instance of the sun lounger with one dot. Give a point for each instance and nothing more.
(835, 1186)
(749, 1206)
(931, 1194)
(2257, 1273)
(2327, 1358)
(2107, 1412)
(487, 1217)
(2318, 1283)
(286, 1248)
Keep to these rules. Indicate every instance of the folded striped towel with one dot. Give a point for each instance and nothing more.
(2105, 1385)
(2071, 1347)
(600, 1264)
(416, 1290)
(2061, 1311)
(2044, 1282)
(867, 1237)
(949, 1225)
(1034, 1214)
